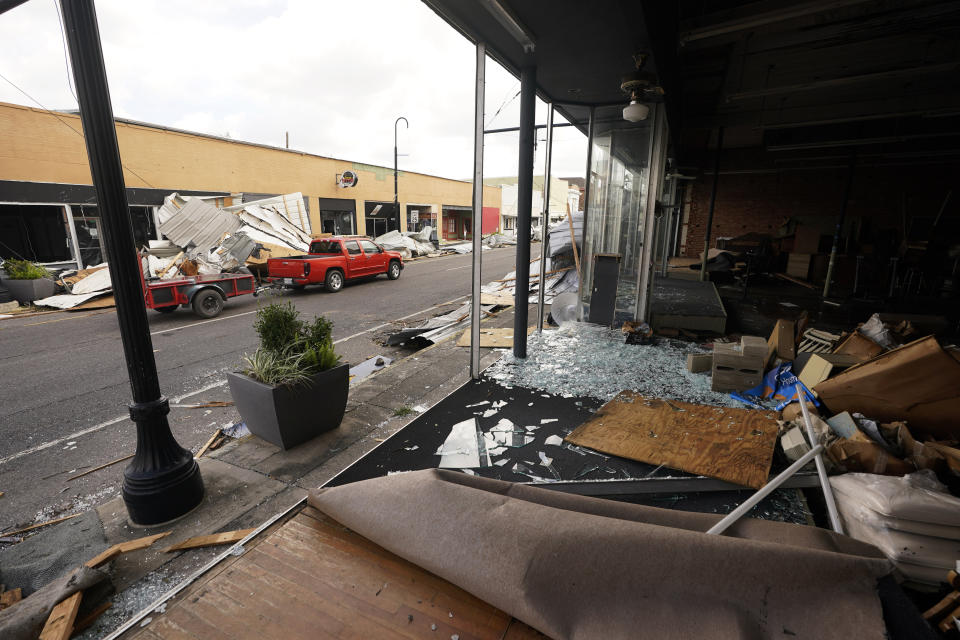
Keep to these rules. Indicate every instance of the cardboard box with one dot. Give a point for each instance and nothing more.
(726, 379)
(753, 346)
(798, 265)
(859, 346)
(782, 341)
(918, 382)
(699, 362)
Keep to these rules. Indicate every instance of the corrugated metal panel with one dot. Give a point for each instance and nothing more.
(292, 206)
(200, 223)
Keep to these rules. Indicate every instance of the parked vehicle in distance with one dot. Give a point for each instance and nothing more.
(332, 261)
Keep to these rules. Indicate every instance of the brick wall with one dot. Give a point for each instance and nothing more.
(763, 202)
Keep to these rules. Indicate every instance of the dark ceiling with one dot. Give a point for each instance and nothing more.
(794, 84)
(824, 79)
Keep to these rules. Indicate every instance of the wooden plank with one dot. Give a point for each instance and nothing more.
(103, 466)
(124, 547)
(228, 537)
(87, 621)
(859, 346)
(949, 601)
(203, 449)
(735, 445)
(10, 597)
(948, 623)
(802, 283)
(42, 524)
(59, 624)
(490, 337)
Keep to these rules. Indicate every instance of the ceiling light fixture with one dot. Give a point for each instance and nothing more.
(509, 22)
(639, 85)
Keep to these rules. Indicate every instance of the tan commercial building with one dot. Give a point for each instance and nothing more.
(48, 207)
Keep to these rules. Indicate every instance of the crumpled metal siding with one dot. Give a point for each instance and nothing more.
(199, 223)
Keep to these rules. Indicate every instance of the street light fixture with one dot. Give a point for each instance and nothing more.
(396, 200)
(163, 480)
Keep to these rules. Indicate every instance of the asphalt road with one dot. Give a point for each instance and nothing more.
(64, 387)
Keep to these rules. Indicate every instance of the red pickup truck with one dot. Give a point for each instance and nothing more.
(333, 261)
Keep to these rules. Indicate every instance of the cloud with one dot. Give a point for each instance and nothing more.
(335, 75)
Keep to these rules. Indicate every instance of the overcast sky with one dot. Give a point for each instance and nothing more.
(335, 75)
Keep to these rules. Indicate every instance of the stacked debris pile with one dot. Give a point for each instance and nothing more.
(83, 289)
(223, 240)
(409, 244)
(200, 239)
(882, 400)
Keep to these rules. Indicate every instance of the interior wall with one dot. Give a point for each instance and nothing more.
(764, 202)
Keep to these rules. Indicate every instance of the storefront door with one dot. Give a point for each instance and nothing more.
(339, 223)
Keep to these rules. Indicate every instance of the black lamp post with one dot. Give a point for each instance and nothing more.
(396, 200)
(163, 481)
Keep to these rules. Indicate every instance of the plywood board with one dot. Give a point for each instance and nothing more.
(497, 299)
(490, 337)
(735, 445)
(97, 303)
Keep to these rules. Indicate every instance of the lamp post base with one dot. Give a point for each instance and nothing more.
(163, 481)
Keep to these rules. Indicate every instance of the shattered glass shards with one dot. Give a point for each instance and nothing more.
(461, 449)
(555, 440)
(526, 469)
(507, 434)
(590, 361)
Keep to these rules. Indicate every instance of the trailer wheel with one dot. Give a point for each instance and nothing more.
(393, 271)
(169, 309)
(207, 304)
(334, 280)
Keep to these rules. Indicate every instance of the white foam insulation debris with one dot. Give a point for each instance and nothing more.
(81, 286)
(409, 244)
(580, 359)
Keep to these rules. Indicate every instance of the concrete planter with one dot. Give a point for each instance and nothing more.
(26, 291)
(288, 416)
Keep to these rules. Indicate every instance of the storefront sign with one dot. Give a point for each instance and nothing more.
(414, 216)
(347, 179)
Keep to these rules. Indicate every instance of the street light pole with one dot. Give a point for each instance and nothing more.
(396, 200)
(163, 481)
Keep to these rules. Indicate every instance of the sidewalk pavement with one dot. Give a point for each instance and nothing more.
(249, 480)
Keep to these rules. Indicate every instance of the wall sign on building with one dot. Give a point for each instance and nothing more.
(347, 179)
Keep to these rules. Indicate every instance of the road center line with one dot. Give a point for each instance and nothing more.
(180, 398)
(466, 266)
(196, 324)
(102, 425)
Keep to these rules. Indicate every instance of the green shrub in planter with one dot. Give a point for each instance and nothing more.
(293, 387)
(27, 281)
(24, 270)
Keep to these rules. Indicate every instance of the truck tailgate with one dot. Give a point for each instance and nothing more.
(286, 267)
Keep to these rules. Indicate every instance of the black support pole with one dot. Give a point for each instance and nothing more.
(713, 204)
(163, 481)
(839, 227)
(528, 87)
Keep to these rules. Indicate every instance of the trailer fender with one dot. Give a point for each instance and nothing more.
(194, 290)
